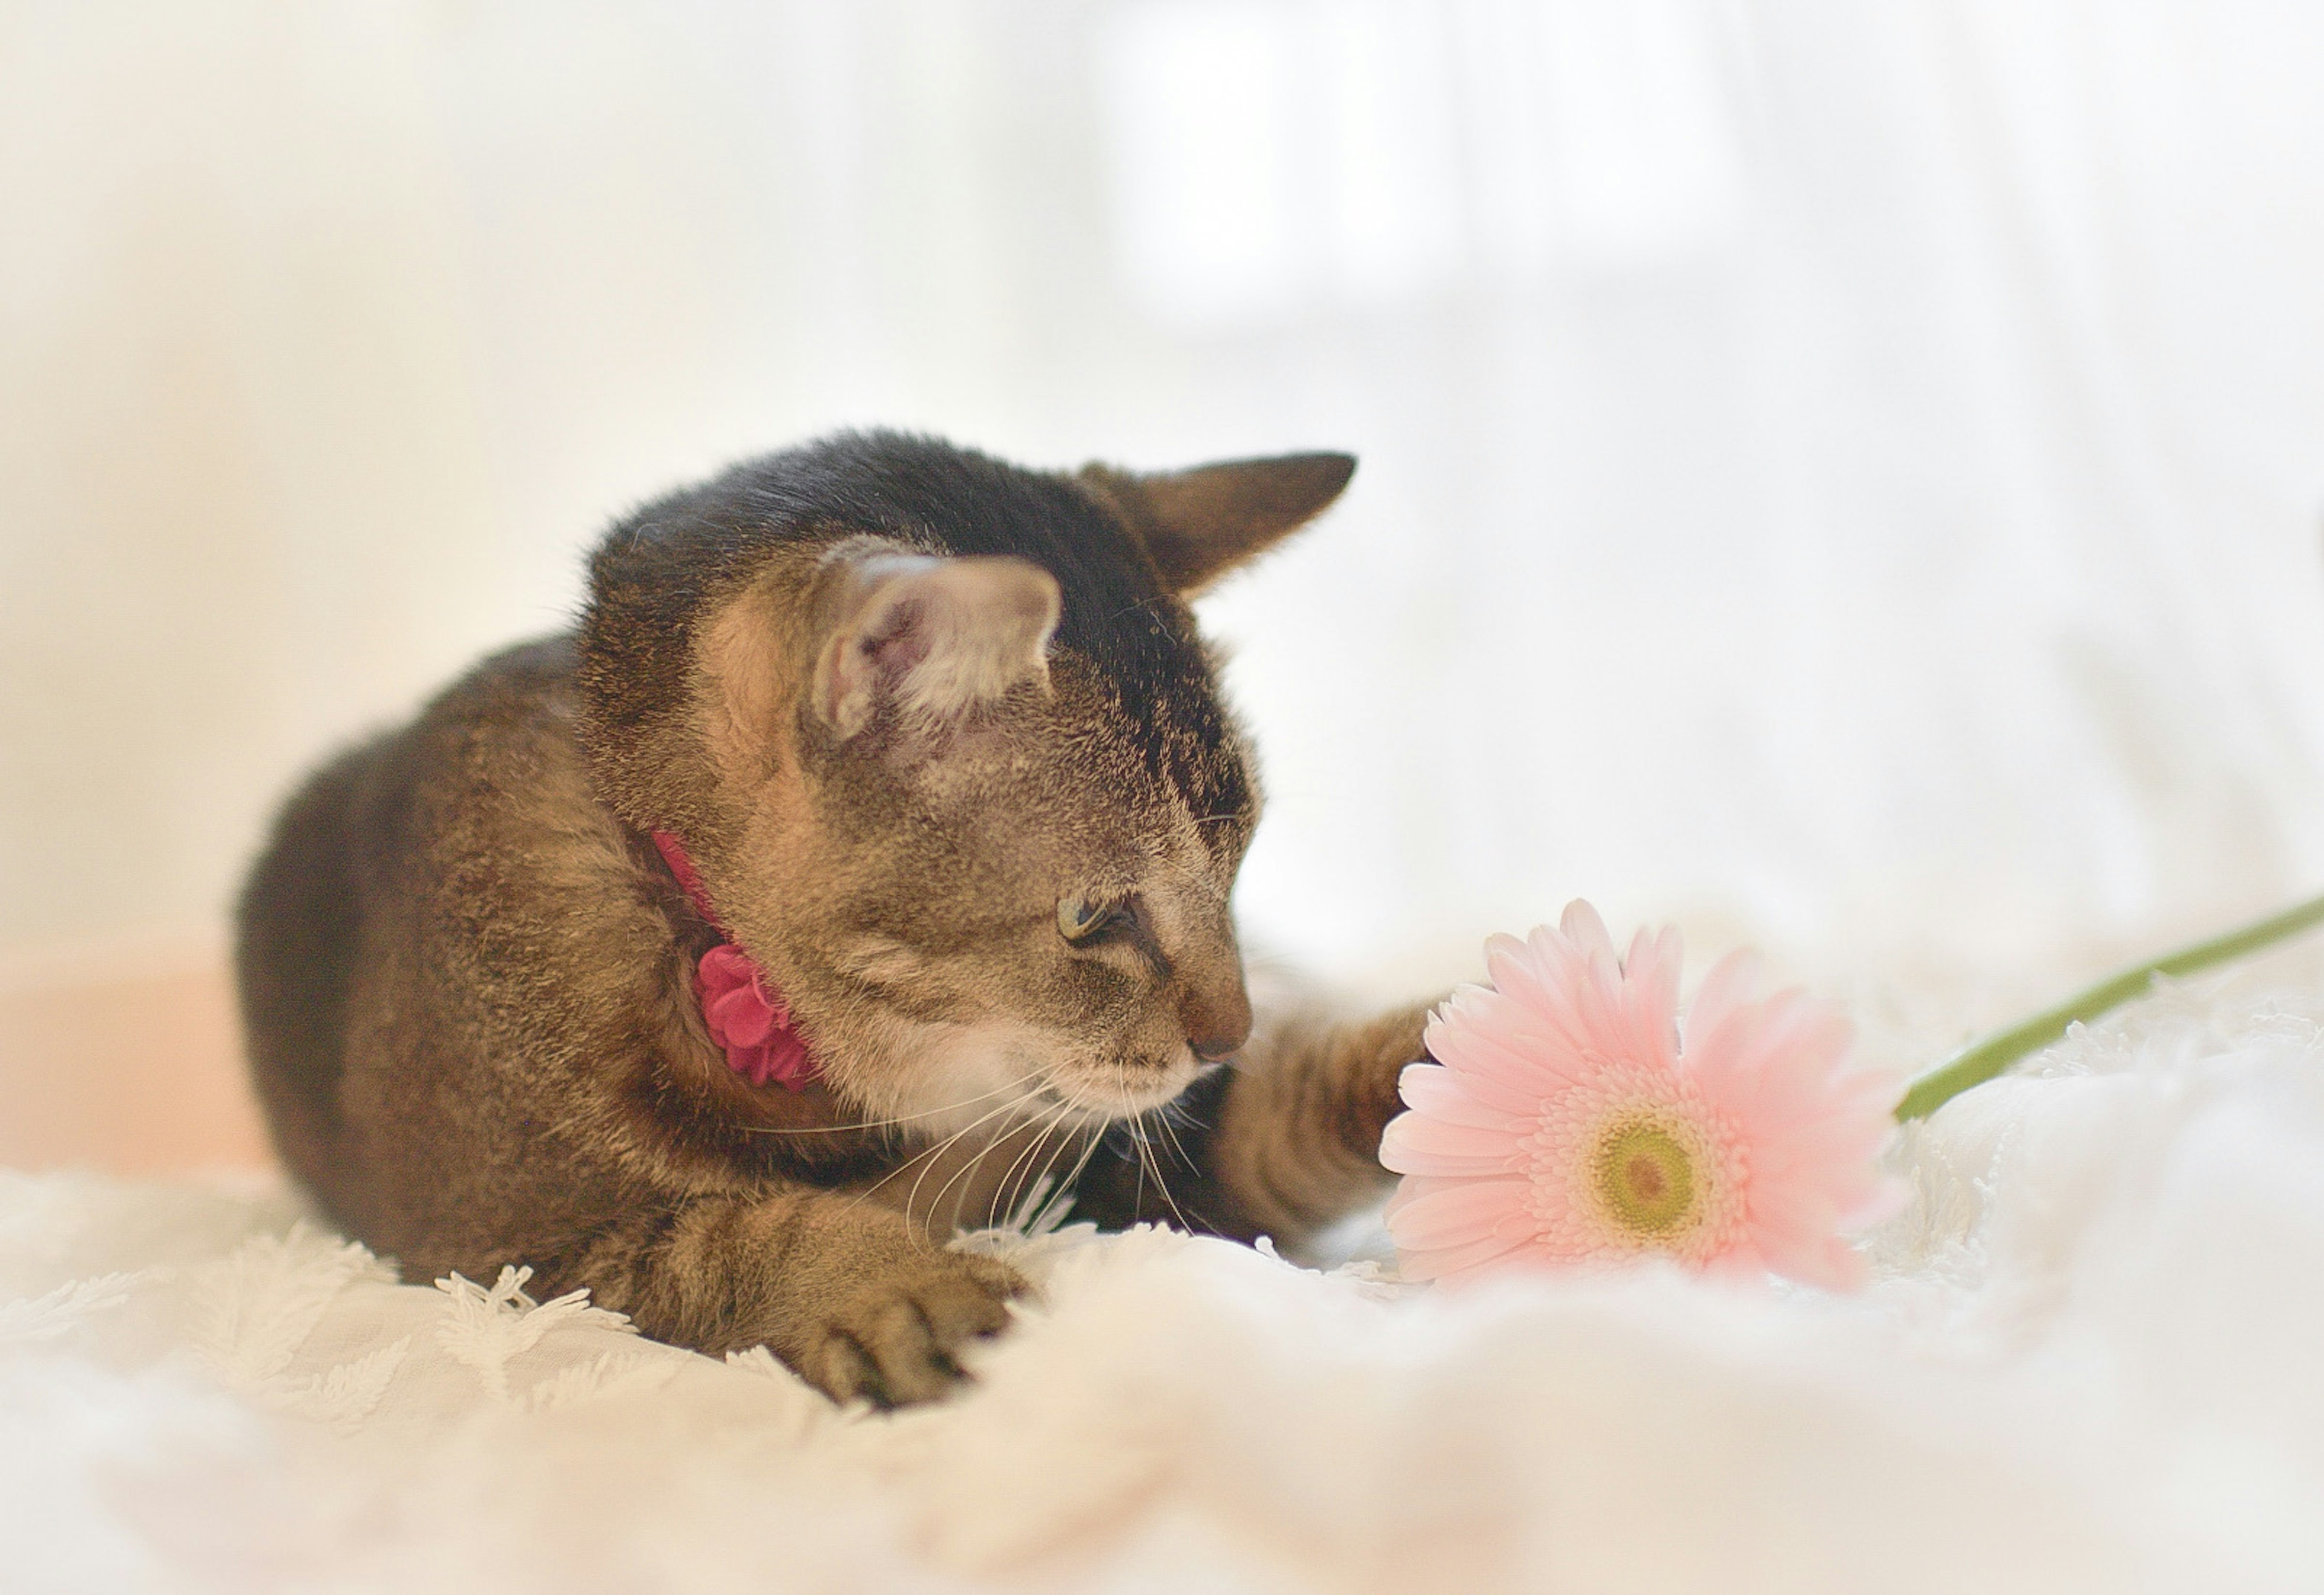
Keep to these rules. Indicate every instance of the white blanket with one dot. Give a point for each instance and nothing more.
(2090, 1361)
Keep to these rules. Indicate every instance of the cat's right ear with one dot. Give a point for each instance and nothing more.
(930, 637)
(1199, 524)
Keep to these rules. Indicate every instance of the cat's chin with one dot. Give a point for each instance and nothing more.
(997, 1075)
(1109, 1093)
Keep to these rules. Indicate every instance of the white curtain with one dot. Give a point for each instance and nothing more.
(1844, 474)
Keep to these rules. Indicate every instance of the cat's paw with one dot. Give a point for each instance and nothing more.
(892, 1340)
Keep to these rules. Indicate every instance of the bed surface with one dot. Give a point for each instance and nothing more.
(2086, 1362)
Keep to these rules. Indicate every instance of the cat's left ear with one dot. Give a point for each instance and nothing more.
(932, 637)
(1199, 524)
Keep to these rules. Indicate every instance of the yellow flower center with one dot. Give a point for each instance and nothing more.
(1645, 1176)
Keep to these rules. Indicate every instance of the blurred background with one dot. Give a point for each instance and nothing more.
(1844, 476)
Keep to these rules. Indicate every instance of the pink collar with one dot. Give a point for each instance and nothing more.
(746, 1015)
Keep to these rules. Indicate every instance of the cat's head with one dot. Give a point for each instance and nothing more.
(951, 758)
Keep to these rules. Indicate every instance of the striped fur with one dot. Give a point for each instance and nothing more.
(913, 711)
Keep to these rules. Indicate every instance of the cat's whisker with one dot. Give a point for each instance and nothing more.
(931, 1160)
(1137, 1190)
(1030, 1150)
(1163, 1185)
(1070, 1102)
(1149, 1163)
(966, 1172)
(1162, 1119)
(1143, 603)
(1082, 1135)
(965, 1177)
(1038, 1076)
(928, 1159)
(1146, 1164)
(1026, 1159)
(884, 1123)
(1088, 1150)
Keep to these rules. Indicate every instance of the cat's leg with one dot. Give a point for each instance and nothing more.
(1283, 1142)
(849, 1295)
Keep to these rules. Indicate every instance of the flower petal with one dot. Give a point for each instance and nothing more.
(1483, 1074)
(1416, 1143)
(1437, 1092)
(1570, 1040)
(1582, 927)
(1441, 1213)
(1532, 1063)
(1454, 1262)
(1724, 989)
(739, 1017)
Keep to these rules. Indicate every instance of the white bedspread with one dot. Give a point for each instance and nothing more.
(2091, 1361)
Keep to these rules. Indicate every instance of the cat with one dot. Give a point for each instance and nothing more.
(931, 745)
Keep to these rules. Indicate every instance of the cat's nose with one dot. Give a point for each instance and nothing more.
(1217, 1020)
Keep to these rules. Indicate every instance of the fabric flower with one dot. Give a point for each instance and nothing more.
(1572, 1116)
(744, 1014)
(750, 1024)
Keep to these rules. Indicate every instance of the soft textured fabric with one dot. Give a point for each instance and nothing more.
(2087, 1361)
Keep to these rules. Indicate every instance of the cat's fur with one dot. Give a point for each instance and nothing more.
(898, 700)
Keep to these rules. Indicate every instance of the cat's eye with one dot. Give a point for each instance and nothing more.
(1083, 918)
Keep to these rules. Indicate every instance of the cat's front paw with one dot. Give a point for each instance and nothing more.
(892, 1340)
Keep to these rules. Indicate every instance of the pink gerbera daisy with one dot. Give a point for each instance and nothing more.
(1573, 1116)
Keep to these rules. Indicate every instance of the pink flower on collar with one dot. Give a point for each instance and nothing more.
(746, 1016)
(753, 1023)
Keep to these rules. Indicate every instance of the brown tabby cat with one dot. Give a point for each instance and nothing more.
(947, 754)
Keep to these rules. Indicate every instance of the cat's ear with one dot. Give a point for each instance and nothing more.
(1199, 524)
(934, 637)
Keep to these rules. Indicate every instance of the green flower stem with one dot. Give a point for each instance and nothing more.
(1980, 1061)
